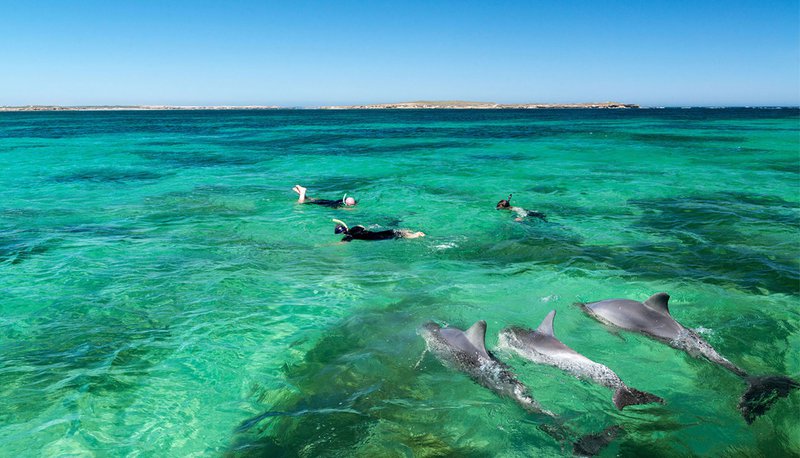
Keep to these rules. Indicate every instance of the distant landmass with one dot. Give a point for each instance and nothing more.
(420, 105)
(459, 104)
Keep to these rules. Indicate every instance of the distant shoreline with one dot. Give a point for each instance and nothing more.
(380, 106)
(461, 105)
(424, 105)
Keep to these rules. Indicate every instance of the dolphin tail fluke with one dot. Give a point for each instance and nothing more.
(625, 396)
(592, 444)
(587, 445)
(556, 431)
(762, 392)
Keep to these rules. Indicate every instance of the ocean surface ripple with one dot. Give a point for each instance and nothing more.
(163, 294)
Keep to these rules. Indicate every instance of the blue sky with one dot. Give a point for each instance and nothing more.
(302, 53)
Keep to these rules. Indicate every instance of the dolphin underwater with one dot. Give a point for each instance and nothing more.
(466, 351)
(652, 318)
(542, 346)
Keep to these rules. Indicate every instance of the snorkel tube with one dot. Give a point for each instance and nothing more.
(505, 203)
(340, 223)
(348, 201)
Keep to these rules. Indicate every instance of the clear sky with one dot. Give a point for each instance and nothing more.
(301, 53)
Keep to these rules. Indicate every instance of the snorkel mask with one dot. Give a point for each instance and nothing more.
(505, 203)
(341, 227)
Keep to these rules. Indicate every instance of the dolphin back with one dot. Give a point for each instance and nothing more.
(762, 392)
(650, 317)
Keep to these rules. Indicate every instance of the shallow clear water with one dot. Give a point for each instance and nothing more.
(163, 294)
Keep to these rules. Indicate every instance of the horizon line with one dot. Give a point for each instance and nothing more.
(376, 106)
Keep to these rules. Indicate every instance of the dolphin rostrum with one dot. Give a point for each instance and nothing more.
(652, 318)
(542, 346)
(466, 351)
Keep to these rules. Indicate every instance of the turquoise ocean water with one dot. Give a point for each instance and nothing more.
(163, 295)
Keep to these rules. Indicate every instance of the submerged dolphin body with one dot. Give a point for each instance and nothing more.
(466, 351)
(542, 346)
(652, 318)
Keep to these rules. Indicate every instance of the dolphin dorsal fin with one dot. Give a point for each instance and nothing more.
(546, 327)
(476, 335)
(658, 302)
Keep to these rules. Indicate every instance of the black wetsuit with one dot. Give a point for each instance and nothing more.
(361, 233)
(534, 214)
(522, 213)
(325, 203)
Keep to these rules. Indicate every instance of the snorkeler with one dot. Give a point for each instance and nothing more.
(304, 199)
(361, 233)
(521, 212)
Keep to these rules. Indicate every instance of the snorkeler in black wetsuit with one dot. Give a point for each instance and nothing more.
(521, 212)
(361, 233)
(304, 199)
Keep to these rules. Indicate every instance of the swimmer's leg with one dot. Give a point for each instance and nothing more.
(407, 234)
(301, 191)
(539, 215)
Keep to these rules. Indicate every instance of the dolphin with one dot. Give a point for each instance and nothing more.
(541, 346)
(652, 318)
(466, 351)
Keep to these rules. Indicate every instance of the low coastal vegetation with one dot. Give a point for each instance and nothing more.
(458, 104)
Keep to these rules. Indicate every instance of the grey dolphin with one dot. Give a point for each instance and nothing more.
(653, 319)
(542, 346)
(466, 351)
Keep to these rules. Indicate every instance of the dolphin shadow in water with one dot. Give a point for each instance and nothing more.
(541, 346)
(466, 352)
(652, 318)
